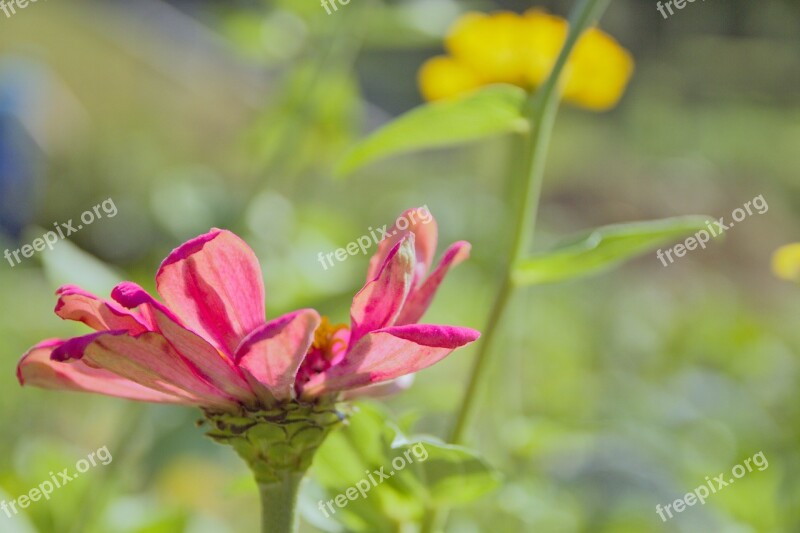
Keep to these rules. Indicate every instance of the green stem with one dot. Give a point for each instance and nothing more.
(278, 503)
(481, 359)
(541, 112)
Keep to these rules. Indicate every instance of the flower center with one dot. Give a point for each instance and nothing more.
(327, 349)
(329, 340)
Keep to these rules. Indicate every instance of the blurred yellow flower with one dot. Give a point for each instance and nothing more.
(489, 45)
(786, 262)
(541, 41)
(445, 77)
(505, 47)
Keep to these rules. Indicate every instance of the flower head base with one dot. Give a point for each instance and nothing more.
(505, 47)
(209, 344)
(275, 440)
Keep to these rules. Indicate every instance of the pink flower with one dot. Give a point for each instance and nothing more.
(209, 345)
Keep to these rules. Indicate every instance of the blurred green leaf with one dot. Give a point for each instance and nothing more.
(603, 248)
(451, 475)
(490, 111)
(165, 524)
(422, 471)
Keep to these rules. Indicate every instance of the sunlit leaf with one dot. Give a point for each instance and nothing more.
(490, 111)
(604, 248)
(450, 475)
(420, 471)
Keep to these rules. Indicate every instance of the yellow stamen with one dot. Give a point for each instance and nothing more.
(325, 338)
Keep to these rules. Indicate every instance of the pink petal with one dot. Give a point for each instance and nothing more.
(272, 354)
(377, 305)
(215, 367)
(148, 360)
(81, 306)
(420, 298)
(213, 283)
(420, 223)
(388, 354)
(36, 369)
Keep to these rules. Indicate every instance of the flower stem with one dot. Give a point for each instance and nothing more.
(541, 112)
(478, 369)
(278, 503)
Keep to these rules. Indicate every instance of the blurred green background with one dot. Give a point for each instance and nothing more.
(607, 396)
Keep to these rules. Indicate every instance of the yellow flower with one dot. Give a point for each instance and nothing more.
(505, 47)
(442, 77)
(542, 39)
(786, 262)
(599, 71)
(489, 46)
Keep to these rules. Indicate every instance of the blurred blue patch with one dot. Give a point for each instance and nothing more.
(19, 83)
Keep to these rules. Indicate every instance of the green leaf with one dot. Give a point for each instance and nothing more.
(487, 112)
(603, 248)
(422, 471)
(449, 475)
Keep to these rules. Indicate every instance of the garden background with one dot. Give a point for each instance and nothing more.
(609, 395)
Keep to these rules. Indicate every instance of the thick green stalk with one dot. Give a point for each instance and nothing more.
(541, 113)
(278, 503)
(278, 443)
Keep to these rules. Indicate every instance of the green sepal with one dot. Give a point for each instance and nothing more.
(278, 440)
